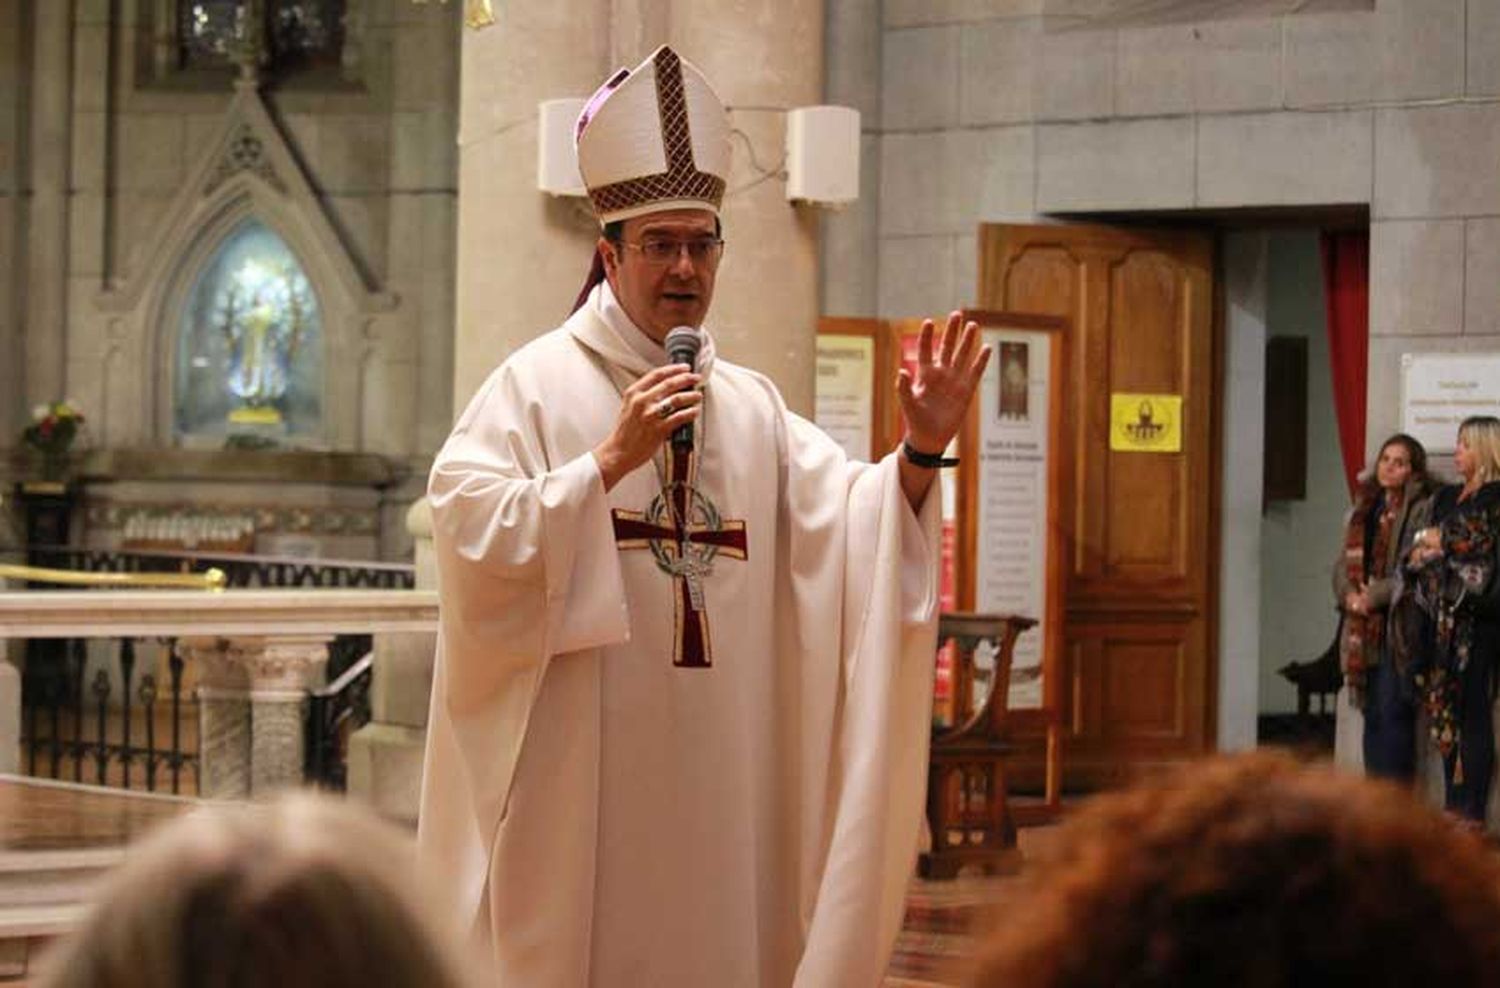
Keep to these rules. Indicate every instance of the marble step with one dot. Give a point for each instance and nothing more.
(45, 893)
(30, 879)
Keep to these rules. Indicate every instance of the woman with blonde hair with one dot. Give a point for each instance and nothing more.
(1389, 497)
(300, 892)
(1454, 593)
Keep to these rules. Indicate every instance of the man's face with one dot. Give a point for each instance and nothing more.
(662, 294)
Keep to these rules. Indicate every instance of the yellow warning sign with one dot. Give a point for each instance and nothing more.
(1145, 423)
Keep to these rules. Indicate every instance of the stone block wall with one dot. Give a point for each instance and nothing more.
(1008, 111)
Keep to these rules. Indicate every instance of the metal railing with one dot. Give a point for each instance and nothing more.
(60, 702)
(67, 717)
(240, 570)
(88, 712)
(333, 714)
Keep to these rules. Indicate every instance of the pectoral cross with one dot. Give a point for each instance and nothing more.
(683, 530)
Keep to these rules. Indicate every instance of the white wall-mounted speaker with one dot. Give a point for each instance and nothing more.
(822, 155)
(556, 158)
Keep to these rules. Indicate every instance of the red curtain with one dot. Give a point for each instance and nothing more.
(1346, 294)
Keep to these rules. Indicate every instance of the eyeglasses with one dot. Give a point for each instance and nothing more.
(703, 250)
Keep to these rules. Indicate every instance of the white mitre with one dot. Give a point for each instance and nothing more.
(654, 138)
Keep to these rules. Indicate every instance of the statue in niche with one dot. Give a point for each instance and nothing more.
(249, 353)
(262, 312)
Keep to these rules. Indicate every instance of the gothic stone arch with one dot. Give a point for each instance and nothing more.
(248, 172)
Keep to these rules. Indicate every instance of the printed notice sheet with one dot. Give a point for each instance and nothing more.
(844, 404)
(1440, 390)
(1012, 515)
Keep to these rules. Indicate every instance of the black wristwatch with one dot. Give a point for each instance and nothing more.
(930, 461)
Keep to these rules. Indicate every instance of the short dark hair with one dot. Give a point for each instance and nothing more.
(614, 231)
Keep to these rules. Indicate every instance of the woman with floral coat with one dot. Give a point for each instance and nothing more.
(1455, 643)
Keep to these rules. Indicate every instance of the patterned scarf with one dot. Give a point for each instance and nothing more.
(1359, 641)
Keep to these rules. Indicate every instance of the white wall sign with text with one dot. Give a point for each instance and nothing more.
(1440, 390)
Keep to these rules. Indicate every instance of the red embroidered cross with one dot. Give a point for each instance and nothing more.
(683, 530)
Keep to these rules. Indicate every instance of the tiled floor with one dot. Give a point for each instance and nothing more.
(943, 928)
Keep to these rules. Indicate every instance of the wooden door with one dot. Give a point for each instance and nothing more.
(1139, 601)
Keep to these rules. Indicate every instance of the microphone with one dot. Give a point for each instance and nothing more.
(682, 346)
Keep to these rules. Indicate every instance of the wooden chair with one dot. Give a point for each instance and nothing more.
(968, 808)
(1320, 677)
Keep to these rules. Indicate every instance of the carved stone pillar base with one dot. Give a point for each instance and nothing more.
(278, 741)
(223, 744)
(252, 710)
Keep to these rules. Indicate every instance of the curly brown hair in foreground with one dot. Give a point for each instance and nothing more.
(300, 892)
(1252, 872)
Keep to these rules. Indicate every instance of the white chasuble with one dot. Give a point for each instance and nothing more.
(679, 729)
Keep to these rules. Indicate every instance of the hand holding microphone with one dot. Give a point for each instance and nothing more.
(662, 403)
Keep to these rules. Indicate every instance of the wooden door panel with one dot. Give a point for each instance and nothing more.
(1142, 682)
(1044, 281)
(1147, 542)
(1130, 683)
(1139, 595)
(1147, 292)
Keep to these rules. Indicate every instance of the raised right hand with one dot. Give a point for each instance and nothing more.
(642, 427)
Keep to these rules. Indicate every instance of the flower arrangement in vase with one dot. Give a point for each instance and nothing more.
(53, 430)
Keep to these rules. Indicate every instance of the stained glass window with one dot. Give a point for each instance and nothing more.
(306, 32)
(297, 33)
(208, 30)
(250, 345)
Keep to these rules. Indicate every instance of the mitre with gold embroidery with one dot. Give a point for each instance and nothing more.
(652, 138)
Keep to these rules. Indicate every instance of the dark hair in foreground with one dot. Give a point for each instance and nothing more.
(1253, 872)
(302, 892)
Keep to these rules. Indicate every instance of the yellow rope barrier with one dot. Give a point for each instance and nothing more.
(212, 579)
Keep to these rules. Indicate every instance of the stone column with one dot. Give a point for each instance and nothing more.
(763, 58)
(522, 255)
(252, 710)
(47, 215)
(385, 756)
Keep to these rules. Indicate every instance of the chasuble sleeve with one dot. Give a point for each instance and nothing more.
(525, 546)
(527, 571)
(867, 598)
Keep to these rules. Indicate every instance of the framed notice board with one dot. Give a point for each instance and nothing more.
(849, 395)
(1014, 544)
(1003, 542)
